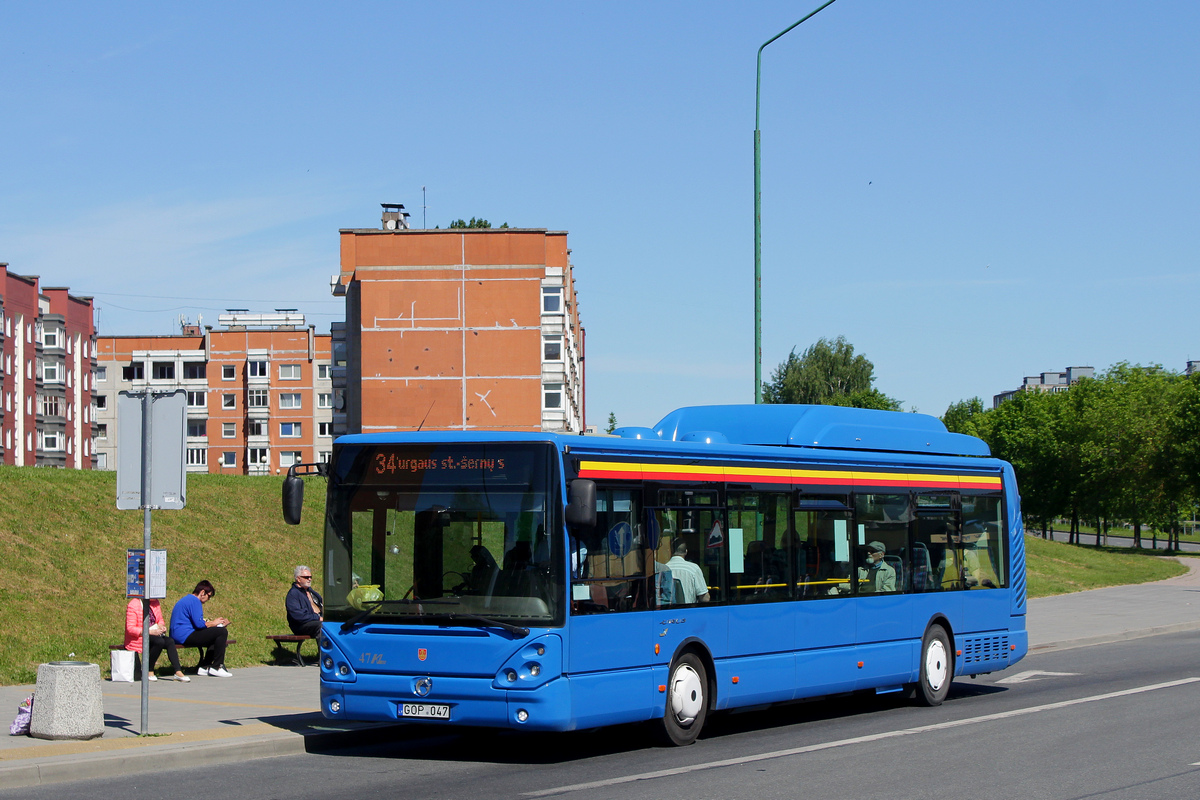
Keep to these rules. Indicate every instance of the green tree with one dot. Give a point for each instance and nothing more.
(474, 223)
(965, 416)
(827, 373)
(612, 422)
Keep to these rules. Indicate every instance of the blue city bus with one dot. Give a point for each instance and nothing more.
(731, 556)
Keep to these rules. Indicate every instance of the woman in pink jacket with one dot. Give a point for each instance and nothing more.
(159, 637)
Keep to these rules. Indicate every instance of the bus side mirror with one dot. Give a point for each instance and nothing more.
(293, 498)
(581, 508)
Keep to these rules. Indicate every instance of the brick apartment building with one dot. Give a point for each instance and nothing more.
(455, 329)
(47, 353)
(259, 395)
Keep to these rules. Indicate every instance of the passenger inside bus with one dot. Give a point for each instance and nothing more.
(692, 585)
(878, 576)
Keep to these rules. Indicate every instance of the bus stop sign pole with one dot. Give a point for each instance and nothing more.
(143, 468)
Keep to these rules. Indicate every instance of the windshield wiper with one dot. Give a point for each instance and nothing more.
(516, 630)
(372, 607)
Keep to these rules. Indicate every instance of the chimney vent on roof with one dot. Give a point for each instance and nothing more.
(395, 218)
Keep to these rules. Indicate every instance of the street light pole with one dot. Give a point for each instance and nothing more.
(758, 211)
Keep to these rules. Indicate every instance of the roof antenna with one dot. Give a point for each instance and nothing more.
(422, 425)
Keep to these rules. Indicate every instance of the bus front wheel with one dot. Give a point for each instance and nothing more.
(937, 667)
(687, 700)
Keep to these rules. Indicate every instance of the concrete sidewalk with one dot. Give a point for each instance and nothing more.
(270, 711)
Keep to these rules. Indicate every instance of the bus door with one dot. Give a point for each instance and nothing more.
(887, 638)
(825, 617)
(610, 650)
(760, 562)
(936, 569)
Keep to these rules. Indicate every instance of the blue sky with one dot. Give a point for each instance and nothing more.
(969, 192)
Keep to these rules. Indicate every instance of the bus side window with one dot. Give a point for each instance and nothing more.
(613, 555)
(983, 542)
(936, 542)
(821, 548)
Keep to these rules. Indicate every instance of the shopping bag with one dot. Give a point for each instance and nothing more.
(20, 725)
(122, 666)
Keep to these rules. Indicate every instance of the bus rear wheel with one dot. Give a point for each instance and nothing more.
(937, 667)
(687, 700)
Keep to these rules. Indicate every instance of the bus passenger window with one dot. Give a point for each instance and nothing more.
(820, 547)
(609, 561)
(983, 542)
(881, 547)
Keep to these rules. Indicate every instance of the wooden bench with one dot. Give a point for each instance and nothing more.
(288, 638)
(138, 653)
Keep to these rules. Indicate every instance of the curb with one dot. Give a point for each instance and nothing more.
(123, 763)
(1123, 636)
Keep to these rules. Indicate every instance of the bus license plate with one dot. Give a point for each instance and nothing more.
(425, 711)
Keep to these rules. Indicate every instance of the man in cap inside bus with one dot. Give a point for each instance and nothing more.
(878, 576)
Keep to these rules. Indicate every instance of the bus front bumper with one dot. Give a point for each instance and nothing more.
(465, 701)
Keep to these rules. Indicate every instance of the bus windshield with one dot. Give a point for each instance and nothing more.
(445, 534)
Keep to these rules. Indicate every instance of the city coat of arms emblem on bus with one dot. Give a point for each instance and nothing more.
(422, 653)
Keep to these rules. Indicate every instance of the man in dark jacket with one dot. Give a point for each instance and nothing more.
(305, 608)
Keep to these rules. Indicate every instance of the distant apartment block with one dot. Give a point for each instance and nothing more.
(259, 394)
(457, 329)
(1047, 382)
(47, 354)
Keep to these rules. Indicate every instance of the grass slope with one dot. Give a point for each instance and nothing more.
(1057, 568)
(62, 562)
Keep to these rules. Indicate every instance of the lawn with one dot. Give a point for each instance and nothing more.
(62, 562)
(1057, 568)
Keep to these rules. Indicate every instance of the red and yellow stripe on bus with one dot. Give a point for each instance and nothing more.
(601, 470)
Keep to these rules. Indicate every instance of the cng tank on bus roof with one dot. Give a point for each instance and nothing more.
(832, 427)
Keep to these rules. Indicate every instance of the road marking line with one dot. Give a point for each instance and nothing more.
(1034, 674)
(874, 737)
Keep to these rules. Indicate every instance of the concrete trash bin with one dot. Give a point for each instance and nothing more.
(67, 703)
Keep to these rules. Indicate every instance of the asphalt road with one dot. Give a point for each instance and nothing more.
(1103, 722)
(1124, 539)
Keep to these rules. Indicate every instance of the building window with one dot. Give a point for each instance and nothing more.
(132, 372)
(228, 372)
(101, 401)
(551, 300)
(289, 457)
(197, 456)
(552, 396)
(164, 370)
(197, 427)
(289, 372)
(51, 440)
(50, 338)
(197, 399)
(323, 372)
(100, 430)
(289, 400)
(258, 456)
(195, 372)
(229, 401)
(229, 458)
(552, 349)
(256, 398)
(101, 460)
(324, 456)
(256, 427)
(228, 430)
(325, 400)
(289, 430)
(52, 372)
(257, 369)
(324, 429)
(51, 407)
